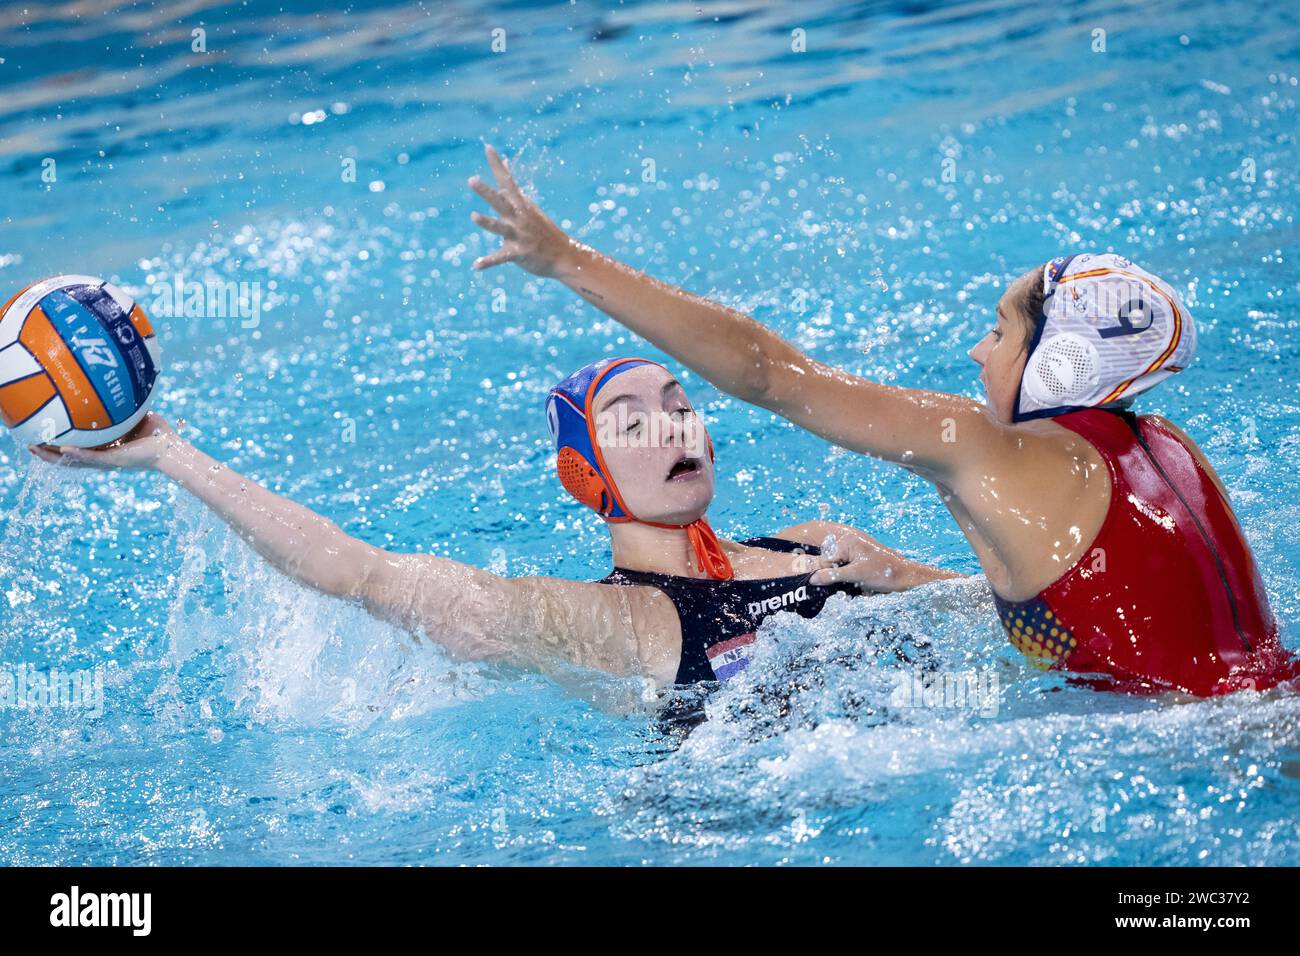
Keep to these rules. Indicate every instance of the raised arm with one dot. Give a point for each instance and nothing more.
(916, 428)
(477, 615)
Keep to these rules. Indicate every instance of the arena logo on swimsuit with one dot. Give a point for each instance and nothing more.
(776, 603)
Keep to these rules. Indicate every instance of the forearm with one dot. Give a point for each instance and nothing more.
(909, 574)
(297, 541)
(724, 345)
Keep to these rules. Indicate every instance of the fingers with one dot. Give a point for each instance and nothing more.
(494, 198)
(492, 225)
(65, 455)
(807, 563)
(72, 455)
(495, 259)
(498, 165)
(827, 576)
(505, 179)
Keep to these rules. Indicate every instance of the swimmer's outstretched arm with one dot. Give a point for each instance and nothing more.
(933, 433)
(532, 622)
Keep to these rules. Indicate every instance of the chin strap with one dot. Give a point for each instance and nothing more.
(709, 556)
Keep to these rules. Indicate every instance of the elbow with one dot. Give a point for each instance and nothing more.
(777, 373)
(756, 384)
(354, 571)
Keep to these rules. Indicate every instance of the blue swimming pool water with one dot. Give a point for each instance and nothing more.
(247, 720)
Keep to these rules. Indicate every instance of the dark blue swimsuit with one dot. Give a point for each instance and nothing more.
(719, 618)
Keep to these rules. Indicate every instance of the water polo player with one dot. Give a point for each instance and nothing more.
(681, 606)
(1107, 538)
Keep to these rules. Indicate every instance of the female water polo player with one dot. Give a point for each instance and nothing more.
(681, 606)
(1108, 540)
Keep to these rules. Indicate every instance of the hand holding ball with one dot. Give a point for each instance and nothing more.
(78, 363)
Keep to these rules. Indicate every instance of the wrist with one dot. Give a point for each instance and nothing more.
(912, 575)
(570, 260)
(915, 574)
(175, 457)
(903, 574)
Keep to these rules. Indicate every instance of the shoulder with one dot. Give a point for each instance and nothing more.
(658, 630)
(1164, 424)
(635, 623)
(1159, 421)
(595, 595)
(1031, 457)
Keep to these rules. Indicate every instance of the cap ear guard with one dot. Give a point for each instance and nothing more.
(578, 461)
(582, 480)
(1062, 370)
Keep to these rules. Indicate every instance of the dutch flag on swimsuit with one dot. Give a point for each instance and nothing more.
(729, 657)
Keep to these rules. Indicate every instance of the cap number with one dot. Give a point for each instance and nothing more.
(1133, 316)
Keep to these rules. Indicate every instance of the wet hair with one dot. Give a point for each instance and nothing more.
(1028, 302)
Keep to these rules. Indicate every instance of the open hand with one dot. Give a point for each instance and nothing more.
(138, 449)
(529, 238)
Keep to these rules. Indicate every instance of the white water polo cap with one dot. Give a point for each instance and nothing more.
(1109, 330)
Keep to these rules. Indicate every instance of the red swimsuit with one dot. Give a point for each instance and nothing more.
(1168, 595)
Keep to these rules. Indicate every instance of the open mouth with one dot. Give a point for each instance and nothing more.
(685, 468)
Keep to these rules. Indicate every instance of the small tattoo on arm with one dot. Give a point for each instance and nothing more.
(590, 294)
